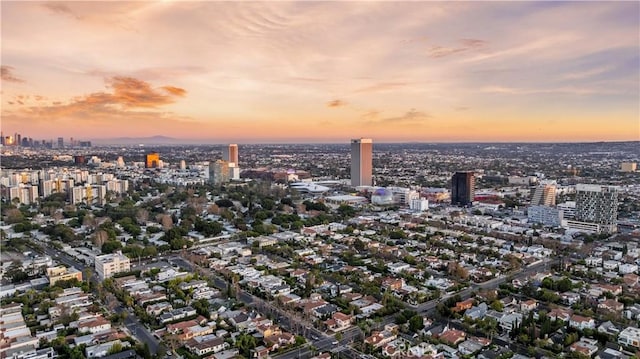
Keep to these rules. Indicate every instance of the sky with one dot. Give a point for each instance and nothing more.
(278, 71)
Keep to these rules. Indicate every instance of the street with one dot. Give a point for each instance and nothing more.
(137, 329)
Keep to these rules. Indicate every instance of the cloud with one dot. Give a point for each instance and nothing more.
(60, 8)
(466, 45)
(129, 97)
(381, 86)
(336, 103)
(7, 74)
(412, 117)
(565, 90)
(588, 73)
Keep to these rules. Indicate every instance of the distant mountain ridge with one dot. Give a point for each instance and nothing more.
(152, 140)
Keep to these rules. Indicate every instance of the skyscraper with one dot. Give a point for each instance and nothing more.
(362, 162)
(60, 142)
(152, 160)
(597, 205)
(230, 153)
(463, 187)
(544, 195)
(218, 172)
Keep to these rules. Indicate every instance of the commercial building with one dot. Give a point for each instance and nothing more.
(596, 204)
(545, 215)
(463, 185)
(109, 264)
(219, 172)
(419, 204)
(230, 153)
(59, 273)
(544, 195)
(362, 162)
(152, 160)
(23, 194)
(628, 166)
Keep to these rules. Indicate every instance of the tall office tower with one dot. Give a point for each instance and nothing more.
(183, 165)
(463, 188)
(60, 142)
(597, 205)
(2, 138)
(544, 194)
(218, 172)
(18, 140)
(362, 162)
(230, 153)
(152, 160)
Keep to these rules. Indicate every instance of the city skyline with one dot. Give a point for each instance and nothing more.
(324, 71)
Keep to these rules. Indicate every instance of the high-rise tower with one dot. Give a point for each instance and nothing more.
(544, 195)
(463, 187)
(598, 205)
(362, 162)
(152, 160)
(230, 153)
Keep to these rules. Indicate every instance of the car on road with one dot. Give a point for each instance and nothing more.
(314, 337)
(335, 342)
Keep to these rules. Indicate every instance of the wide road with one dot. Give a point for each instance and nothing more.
(429, 306)
(137, 329)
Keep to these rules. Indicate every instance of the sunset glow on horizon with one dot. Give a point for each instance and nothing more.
(322, 71)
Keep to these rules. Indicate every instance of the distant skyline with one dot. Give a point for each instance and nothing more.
(292, 72)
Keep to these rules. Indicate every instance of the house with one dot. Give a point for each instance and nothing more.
(260, 352)
(611, 305)
(609, 288)
(204, 345)
(609, 329)
(510, 321)
(469, 347)
(630, 336)
(585, 346)
(528, 305)
(570, 298)
(580, 322)
(94, 325)
(452, 336)
(380, 338)
(632, 312)
(339, 322)
(477, 312)
(101, 350)
(563, 314)
(464, 305)
(390, 283)
(278, 341)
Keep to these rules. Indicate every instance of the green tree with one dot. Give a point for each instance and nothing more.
(416, 323)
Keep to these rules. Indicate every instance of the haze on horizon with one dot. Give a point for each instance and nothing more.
(322, 71)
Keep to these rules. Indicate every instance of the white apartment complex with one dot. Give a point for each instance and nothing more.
(109, 264)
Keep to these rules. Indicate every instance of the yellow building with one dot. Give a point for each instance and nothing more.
(628, 166)
(152, 160)
(59, 273)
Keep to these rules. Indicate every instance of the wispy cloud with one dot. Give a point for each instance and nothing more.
(412, 117)
(381, 87)
(7, 74)
(565, 90)
(579, 75)
(465, 45)
(336, 103)
(60, 8)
